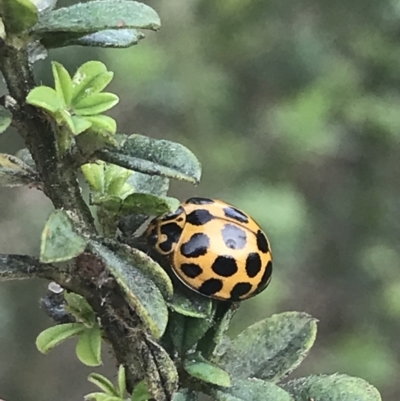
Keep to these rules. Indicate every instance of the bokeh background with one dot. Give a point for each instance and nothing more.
(293, 108)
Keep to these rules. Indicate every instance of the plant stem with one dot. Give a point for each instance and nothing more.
(60, 179)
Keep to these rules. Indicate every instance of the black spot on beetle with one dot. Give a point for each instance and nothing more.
(211, 286)
(224, 266)
(235, 214)
(196, 246)
(239, 290)
(199, 217)
(200, 201)
(173, 232)
(266, 277)
(191, 270)
(234, 236)
(172, 215)
(262, 242)
(253, 264)
(152, 237)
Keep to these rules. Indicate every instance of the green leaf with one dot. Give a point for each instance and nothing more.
(141, 293)
(102, 123)
(185, 331)
(215, 342)
(92, 140)
(63, 83)
(336, 387)
(94, 16)
(115, 181)
(88, 349)
(149, 267)
(192, 304)
(80, 308)
(150, 184)
(149, 204)
(205, 371)
(121, 381)
(94, 175)
(112, 38)
(95, 104)
(252, 390)
(271, 348)
(90, 78)
(45, 98)
(51, 337)
(140, 392)
(184, 395)
(19, 15)
(107, 179)
(79, 124)
(103, 384)
(5, 119)
(165, 381)
(154, 157)
(14, 172)
(60, 241)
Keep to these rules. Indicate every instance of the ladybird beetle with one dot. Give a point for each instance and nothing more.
(214, 248)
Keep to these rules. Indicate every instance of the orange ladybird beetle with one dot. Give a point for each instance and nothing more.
(214, 248)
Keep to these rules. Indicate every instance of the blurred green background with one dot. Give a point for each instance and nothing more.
(293, 108)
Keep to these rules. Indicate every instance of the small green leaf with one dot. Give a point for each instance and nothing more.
(60, 241)
(154, 157)
(90, 78)
(336, 387)
(45, 98)
(205, 371)
(271, 348)
(192, 304)
(88, 349)
(95, 104)
(51, 337)
(94, 175)
(80, 124)
(19, 15)
(141, 293)
(14, 172)
(80, 308)
(102, 123)
(103, 384)
(252, 390)
(115, 181)
(121, 381)
(148, 204)
(5, 119)
(94, 16)
(140, 392)
(63, 83)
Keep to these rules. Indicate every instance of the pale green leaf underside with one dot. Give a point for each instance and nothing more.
(337, 387)
(60, 242)
(98, 15)
(271, 348)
